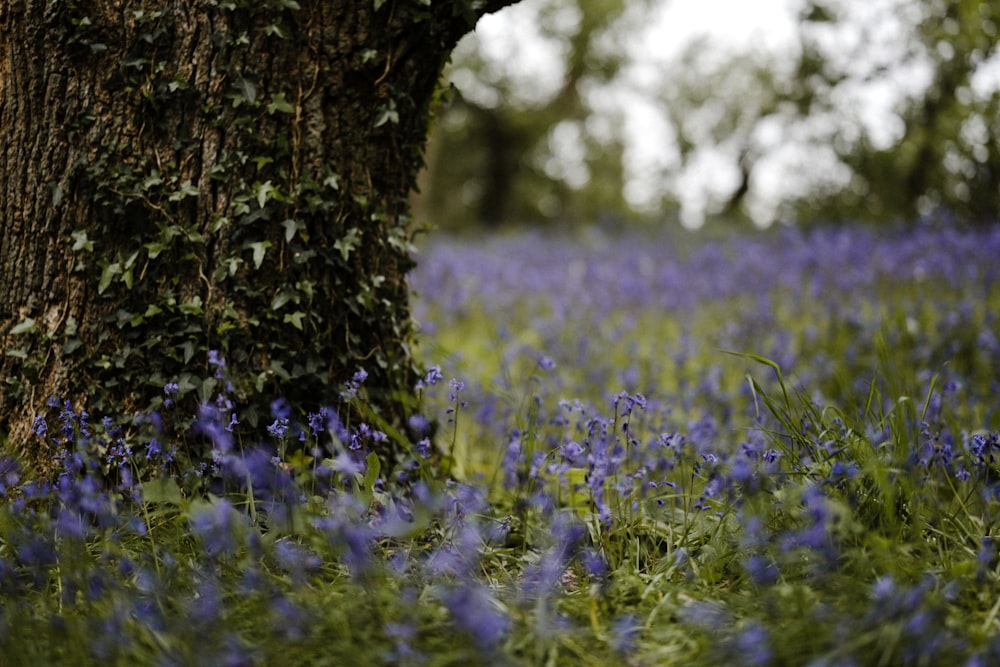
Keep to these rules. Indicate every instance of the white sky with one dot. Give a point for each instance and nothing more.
(517, 54)
(515, 51)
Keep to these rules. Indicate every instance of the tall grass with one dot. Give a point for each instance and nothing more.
(768, 450)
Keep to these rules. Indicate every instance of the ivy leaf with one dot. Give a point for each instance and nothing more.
(378, 4)
(191, 307)
(264, 191)
(247, 90)
(259, 248)
(387, 114)
(162, 490)
(295, 319)
(280, 299)
(371, 474)
(25, 326)
(58, 193)
(109, 272)
(81, 242)
(279, 103)
(154, 178)
(155, 248)
(290, 228)
(187, 190)
(348, 243)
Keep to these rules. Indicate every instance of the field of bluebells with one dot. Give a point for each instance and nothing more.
(643, 449)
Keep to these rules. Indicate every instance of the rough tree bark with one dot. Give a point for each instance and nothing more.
(179, 176)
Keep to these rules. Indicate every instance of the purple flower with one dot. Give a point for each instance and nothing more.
(40, 427)
(594, 563)
(347, 465)
(281, 408)
(762, 571)
(216, 360)
(402, 636)
(216, 525)
(573, 452)
(753, 645)
(352, 386)
(419, 425)
(10, 473)
(279, 428)
(433, 376)
(296, 559)
(474, 610)
(511, 463)
(317, 421)
(625, 633)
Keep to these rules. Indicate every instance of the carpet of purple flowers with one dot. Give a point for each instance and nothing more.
(651, 449)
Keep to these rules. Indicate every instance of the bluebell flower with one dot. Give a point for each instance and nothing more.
(317, 421)
(352, 386)
(216, 360)
(625, 632)
(843, 470)
(402, 636)
(153, 449)
(419, 425)
(460, 556)
(476, 612)
(278, 428)
(423, 448)
(209, 424)
(573, 452)
(70, 524)
(433, 376)
(170, 389)
(593, 562)
(281, 408)
(347, 465)
(753, 645)
(10, 473)
(36, 551)
(512, 463)
(40, 428)
(216, 525)
(761, 570)
(987, 556)
(543, 577)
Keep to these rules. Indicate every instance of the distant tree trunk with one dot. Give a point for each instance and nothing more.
(179, 176)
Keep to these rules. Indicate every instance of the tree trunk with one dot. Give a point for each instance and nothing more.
(191, 175)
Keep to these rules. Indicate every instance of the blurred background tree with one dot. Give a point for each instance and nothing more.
(575, 111)
(515, 144)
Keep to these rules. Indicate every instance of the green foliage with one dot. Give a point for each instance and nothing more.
(836, 506)
(492, 153)
(881, 112)
(241, 254)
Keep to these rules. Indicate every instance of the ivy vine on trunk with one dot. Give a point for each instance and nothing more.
(183, 176)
